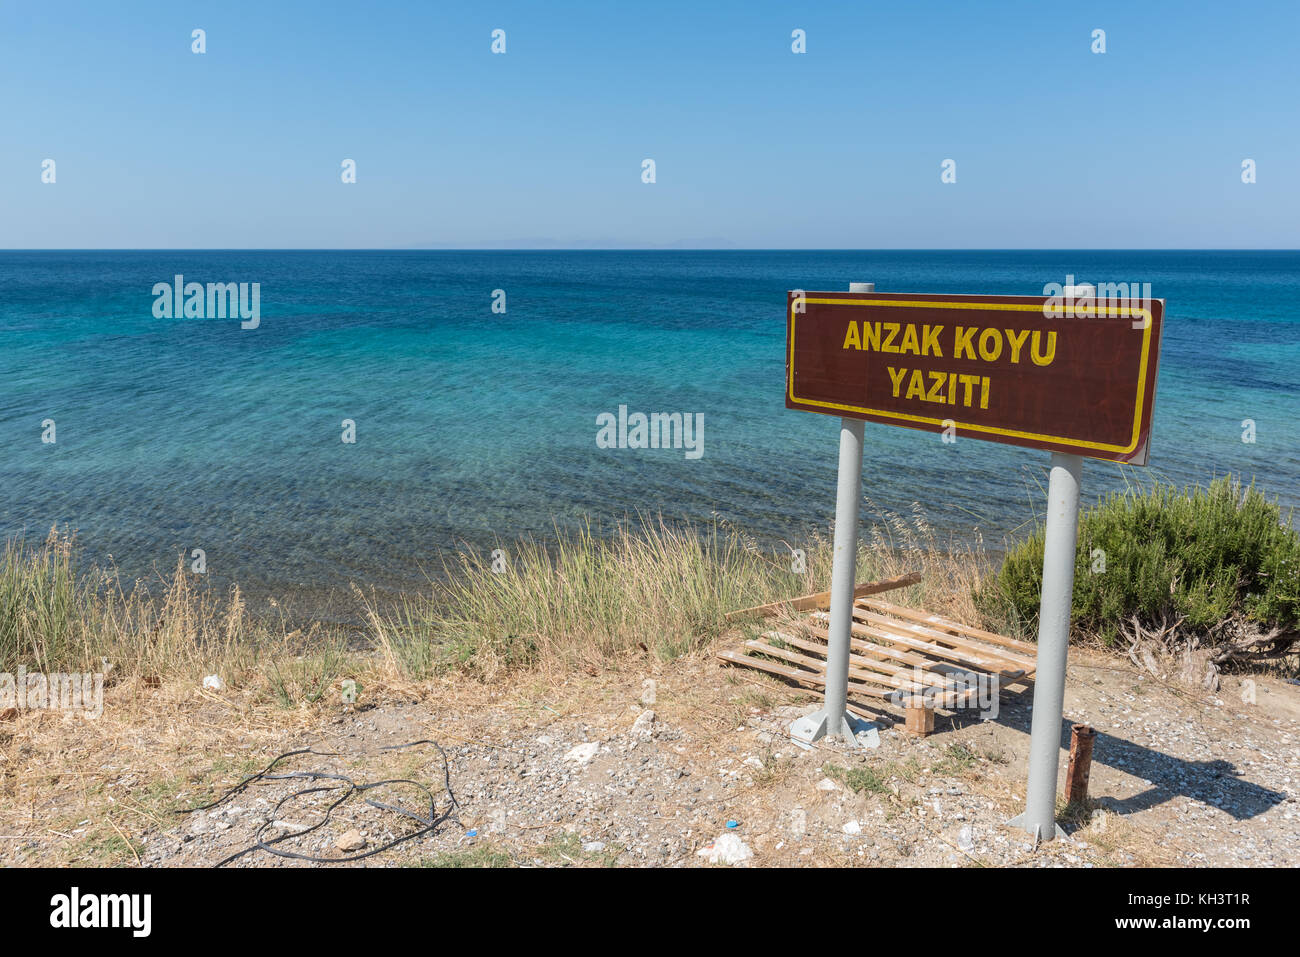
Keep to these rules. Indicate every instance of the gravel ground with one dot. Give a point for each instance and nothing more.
(688, 764)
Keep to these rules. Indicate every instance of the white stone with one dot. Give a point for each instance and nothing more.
(727, 849)
(643, 726)
(582, 753)
(798, 823)
(965, 839)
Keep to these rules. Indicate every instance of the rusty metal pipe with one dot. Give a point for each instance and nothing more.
(1080, 766)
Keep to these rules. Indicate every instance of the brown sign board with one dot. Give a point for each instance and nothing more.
(1075, 376)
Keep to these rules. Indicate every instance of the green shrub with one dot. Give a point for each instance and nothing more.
(1205, 553)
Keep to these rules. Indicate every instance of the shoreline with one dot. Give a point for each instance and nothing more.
(589, 588)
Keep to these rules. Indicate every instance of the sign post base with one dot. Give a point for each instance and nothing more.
(1021, 821)
(848, 728)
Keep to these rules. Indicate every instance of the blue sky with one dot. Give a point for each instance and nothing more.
(755, 146)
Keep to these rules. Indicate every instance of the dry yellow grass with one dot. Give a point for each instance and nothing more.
(581, 603)
(561, 624)
(585, 601)
(54, 617)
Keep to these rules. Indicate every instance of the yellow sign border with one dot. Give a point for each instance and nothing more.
(992, 306)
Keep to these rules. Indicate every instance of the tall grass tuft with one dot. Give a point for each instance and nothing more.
(581, 601)
(584, 601)
(54, 617)
(657, 588)
(41, 605)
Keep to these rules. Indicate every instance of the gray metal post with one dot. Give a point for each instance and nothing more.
(1060, 537)
(833, 719)
(844, 563)
(1062, 533)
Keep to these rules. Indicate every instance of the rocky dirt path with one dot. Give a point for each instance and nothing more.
(652, 766)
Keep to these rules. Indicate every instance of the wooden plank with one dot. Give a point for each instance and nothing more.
(887, 644)
(861, 660)
(815, 667)
(894, 677)
(929, 633)
(1002, 661)
(874, 657)
(939, 621)
(822, 599)
(1013, 658)
(929, 649)
(772, 667)
(925, 617)
(811, 681)
(1015, 681)
(819, 667)
(950, 699)
(883, 628)
(881, 686)
(1014, 668)
(903, 655)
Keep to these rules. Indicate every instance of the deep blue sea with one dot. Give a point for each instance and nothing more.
(475, 428)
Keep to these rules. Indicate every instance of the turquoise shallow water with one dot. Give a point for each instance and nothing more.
(474, 427)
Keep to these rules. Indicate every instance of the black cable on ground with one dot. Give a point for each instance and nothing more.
(349, 787)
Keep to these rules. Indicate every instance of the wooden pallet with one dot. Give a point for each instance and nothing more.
(905, 657)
